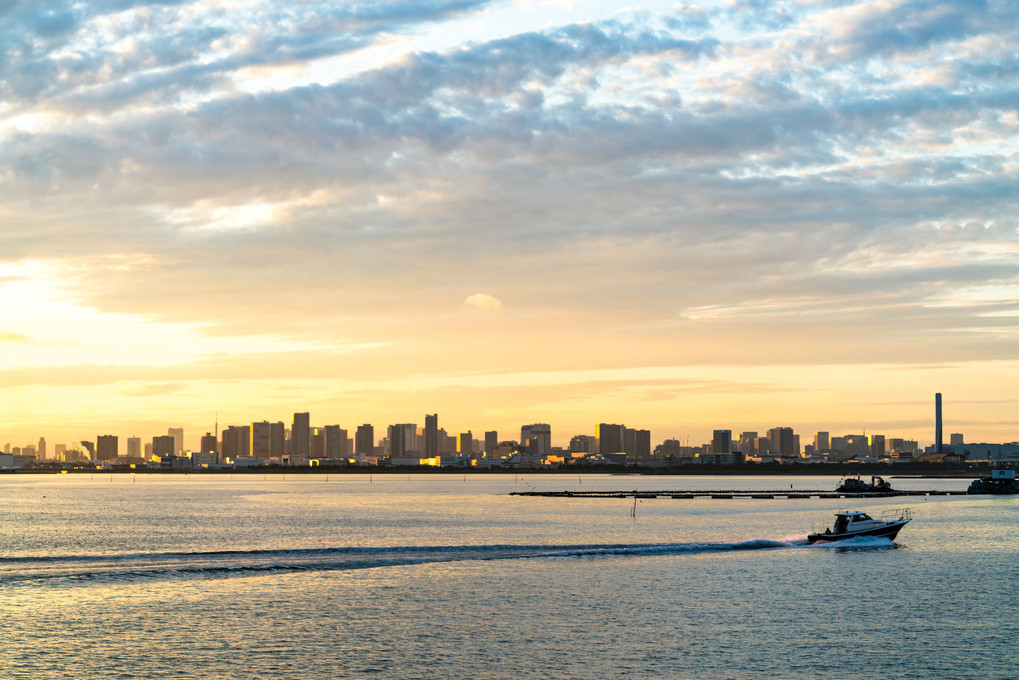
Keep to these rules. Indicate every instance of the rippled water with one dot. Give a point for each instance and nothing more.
(449, 577)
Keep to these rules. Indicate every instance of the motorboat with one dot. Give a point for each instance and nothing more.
(850, 524)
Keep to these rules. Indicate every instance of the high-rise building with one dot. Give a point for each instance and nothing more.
(745, 445)
(642, 440)
(41, 450)
(178, 439)
(107, 447)
(300, 435)
(782, 442)
(402, 440)
(877, 445)
(209, 443)
(822, 442)
(537, 438)
(955, 439)
(937, 423)
(163, 445)
(261, 438)
(317, 443)
(364, 440)
(610, 438)
(583, 443)
(629, 442)
(432, 435)
(134, 447)
(277, 439)
(336, 442)
(465, 443)
(491, 441)
(721, 441)
(236, 442)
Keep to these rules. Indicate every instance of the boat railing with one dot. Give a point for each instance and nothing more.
(896, 515)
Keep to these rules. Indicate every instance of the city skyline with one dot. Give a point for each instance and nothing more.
(673, 215)
(263, 435)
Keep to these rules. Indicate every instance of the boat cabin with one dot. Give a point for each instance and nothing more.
(852, 521)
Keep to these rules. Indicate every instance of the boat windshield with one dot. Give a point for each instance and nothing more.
(861, 517)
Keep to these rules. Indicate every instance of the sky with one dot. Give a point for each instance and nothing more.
(679, 216)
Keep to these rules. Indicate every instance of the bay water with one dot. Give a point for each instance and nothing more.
(450, 576)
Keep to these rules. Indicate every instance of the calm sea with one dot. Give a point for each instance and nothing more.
(429, 576)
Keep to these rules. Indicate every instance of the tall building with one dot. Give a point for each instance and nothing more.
(822, 442)
(300, 435)
(610, 438)
(955, 439)
(721, 441)
(432, 435)
(107, 447)
(583, 443)
(782, 442)
(134, 447)
(465, 443)
(209, 443)
(491, 441)
(336, 442)
(364, 440)
(877, 445)
(236, 442)
(937, 423)
(642, 444)
(537, 438)
(178, 439)
(261, 438)
(317, 443)
(277, 439)
(629, 442)
(403, 440)
(41, 450)
(163, 446)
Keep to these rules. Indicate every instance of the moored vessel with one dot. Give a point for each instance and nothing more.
(854, 523)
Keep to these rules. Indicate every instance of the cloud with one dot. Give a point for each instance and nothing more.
(14, 337)
(482, 302)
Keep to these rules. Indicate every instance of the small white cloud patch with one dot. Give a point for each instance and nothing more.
(482, 302)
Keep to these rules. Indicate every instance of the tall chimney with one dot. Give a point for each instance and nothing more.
(937, 423)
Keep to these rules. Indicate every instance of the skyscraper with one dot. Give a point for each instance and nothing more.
(491, 441)
(937, 423)
(782, 442)
(163, 445)
(465, 443)
(107, 447)
(41, 450)
(277, 439)
(300, 435)
(537, 438)
(432, 435)
(236, 442)
(261, 437)
(610, 438)
(336, 441)
(364, 440)
(721, 441)
(209, 443)
(134, 447)
(178, 439)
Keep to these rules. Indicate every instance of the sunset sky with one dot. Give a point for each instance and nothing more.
(738, 214)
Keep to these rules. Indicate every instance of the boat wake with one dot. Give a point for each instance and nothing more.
(234, 563)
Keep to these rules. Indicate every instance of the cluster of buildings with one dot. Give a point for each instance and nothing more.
(407, 444)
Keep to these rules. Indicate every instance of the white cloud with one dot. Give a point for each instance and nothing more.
(482, 302)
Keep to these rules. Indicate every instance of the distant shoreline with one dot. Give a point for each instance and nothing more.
(900, 470)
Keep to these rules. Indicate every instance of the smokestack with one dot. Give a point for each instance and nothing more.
(937, 423)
